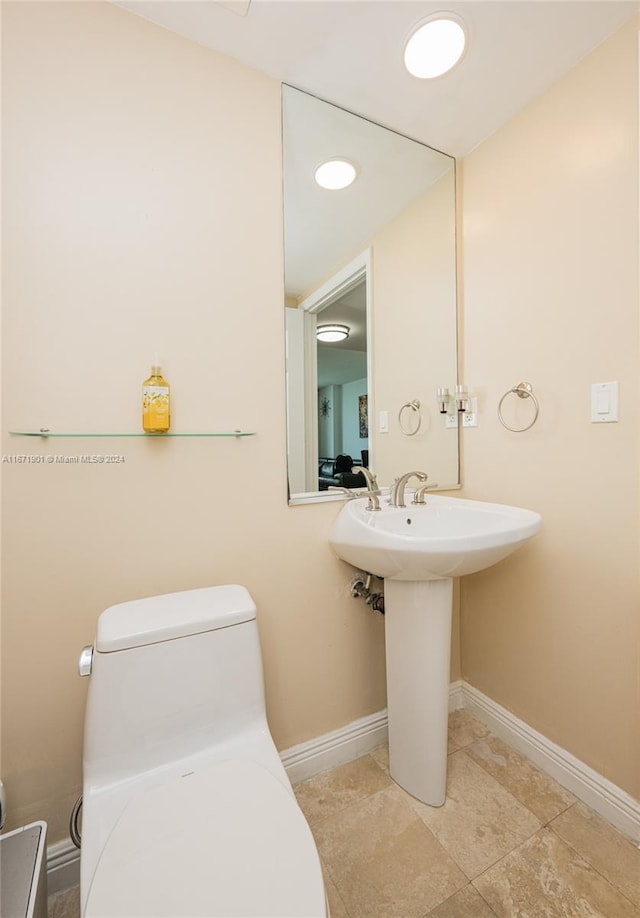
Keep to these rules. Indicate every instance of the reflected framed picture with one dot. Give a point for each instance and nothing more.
(363, 416)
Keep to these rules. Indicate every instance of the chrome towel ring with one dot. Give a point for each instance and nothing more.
(522, 390)
(407, 429)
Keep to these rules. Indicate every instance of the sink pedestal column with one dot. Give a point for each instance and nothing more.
(418, 650)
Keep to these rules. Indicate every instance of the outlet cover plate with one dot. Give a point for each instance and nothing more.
(470, 416)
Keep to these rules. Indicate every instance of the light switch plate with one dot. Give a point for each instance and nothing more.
(604, 402)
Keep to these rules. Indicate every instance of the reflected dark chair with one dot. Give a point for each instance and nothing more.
(337, 473)
(343, 463)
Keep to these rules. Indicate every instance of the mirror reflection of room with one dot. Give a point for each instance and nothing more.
(377, 258)
(343, 430)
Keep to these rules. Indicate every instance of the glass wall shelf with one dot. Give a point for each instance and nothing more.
(44, 432)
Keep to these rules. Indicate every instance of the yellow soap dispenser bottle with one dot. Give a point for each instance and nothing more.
(156, 414)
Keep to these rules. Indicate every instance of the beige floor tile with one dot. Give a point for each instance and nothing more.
(480, 820)
(452, 746)
(468, 903)
(384, 861)
(609, 852)
(537, 791)
(463, 730)
(545, 877)
(336, 905)
(328, 793)
(65, 904)
(380, 755)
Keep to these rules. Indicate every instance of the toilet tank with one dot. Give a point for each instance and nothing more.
(171, 676)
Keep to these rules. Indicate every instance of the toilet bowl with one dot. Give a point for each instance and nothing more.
(187, 808)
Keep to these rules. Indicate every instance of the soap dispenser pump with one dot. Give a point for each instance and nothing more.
(155, 401)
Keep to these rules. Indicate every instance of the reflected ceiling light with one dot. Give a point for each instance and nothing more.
(435, 46)
(335, 174)
(332, 333)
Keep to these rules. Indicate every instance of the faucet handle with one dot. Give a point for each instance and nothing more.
(419, 493)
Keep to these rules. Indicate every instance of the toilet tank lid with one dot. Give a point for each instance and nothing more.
(173, 615)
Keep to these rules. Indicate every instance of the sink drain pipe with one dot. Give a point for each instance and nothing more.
(360, 585)
(74, 827)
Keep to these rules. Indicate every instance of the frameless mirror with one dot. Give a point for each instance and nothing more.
(376, 259)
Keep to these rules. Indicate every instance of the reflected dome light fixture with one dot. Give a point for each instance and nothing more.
(335, 174)
(332, 333)
(435, 46)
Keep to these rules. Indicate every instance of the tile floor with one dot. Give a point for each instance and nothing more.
(508, 842)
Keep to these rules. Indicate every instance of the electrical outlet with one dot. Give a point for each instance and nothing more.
(451, 420)
(470, 416)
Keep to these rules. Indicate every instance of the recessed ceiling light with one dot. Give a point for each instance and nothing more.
(435, 46)
(335, 174)
(332, 333)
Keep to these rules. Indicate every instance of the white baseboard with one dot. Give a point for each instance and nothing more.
(605, 798)
(332, 749)
(601, 795)
(361, 736)
(456, 695)
(63, 866)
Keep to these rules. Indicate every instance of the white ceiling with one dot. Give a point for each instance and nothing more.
(350, 52)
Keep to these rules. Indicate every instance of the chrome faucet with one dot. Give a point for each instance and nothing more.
(396, 498)
(373, 491)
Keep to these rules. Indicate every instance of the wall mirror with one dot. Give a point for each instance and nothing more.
(377, 260)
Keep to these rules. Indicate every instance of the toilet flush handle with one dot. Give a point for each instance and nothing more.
(85, 661)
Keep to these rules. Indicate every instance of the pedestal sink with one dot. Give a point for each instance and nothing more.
(418, 550)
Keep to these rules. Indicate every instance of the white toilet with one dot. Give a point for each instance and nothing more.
(187, 809)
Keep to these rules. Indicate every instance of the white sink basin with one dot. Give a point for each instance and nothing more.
(445, 537)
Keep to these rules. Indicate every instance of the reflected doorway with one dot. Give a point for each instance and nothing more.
(331, 386)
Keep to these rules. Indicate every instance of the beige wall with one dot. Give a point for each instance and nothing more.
(142, 212)
(551, 296)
